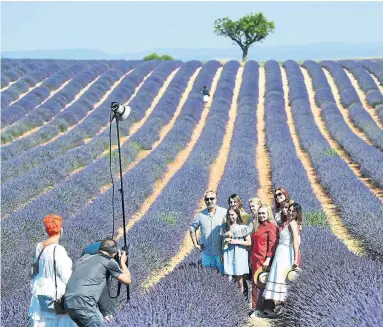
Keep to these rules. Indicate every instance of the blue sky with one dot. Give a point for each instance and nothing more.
(118, 27)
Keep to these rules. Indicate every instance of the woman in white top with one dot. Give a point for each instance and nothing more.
(44, 282)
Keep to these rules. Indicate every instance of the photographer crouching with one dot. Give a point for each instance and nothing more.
(89, 281)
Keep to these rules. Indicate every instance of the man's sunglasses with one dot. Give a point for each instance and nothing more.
(278, 194)
(211, 199)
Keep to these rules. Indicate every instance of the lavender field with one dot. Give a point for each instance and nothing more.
(314, 128)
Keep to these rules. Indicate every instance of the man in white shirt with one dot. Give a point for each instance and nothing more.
(209, 221)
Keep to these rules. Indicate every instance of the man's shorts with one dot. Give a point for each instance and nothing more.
(86, 317)
(212, 261)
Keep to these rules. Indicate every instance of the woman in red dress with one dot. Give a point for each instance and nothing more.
(264, 243)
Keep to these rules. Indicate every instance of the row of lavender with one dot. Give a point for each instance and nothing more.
(29, 80)
(10, 73)
(87, 128)
(375, 67)
(19, 112)
(369, 158)
(98, 214)
(360, 210)
(241, 168)
(101, 78)
(96, 174)
(350, 100)
(14, 70)
(286, 168)
(336, 288)
(189, 296)
(360, 71)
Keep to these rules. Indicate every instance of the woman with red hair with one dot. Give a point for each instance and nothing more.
(51, 277)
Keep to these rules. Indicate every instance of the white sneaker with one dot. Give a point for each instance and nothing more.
(108, 318)
(256, 314)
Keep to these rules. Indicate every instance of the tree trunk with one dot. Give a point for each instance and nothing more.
(244, 55)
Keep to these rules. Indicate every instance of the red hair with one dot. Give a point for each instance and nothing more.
(53, 224)
(286, 194)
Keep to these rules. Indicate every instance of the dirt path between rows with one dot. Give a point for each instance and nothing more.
(265, 192)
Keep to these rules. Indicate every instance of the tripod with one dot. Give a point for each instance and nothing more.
(118, 118)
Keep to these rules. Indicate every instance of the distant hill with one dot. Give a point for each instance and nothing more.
(257, 52)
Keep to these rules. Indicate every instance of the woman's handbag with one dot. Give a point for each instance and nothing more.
(48, 304)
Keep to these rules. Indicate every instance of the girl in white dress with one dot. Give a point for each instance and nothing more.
(234, 253)
(286, 258)
(44, 282)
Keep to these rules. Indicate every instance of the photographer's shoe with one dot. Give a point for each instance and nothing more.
(109, 318)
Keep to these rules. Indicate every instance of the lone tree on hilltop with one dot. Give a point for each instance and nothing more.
(246, 31)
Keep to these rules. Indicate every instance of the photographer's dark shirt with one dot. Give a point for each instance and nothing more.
(88, 279)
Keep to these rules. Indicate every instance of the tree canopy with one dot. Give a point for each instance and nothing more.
(155, 56)
(246, 31)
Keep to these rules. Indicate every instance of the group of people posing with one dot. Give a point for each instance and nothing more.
(260, 245)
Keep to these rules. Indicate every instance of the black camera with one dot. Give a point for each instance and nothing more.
(119, 254)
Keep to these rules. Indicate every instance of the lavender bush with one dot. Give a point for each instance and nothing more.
(350, 100)
(88, 128)
(241, 169)
(374, 67)
(60, 100)
(51, 108)
(17, 71)
(369, 158)
(13, 92)
(359, 209)
(23, 123)
(22, 189)
(189, 296)
(373, 95)
(336, 288)
(286, 169)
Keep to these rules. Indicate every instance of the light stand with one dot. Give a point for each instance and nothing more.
(121, 113)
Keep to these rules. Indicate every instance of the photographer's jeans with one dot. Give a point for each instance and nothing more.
(86, 318)
(106, 304)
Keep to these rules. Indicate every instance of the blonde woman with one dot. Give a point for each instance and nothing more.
(264, 242)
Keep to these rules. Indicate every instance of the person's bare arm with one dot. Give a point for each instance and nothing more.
(245, 242)
(194, 239)
(294, 230)
(124, 278)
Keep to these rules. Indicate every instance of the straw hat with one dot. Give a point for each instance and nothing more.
(292, 274)
(260, 277)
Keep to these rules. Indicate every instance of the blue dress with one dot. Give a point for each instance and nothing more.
(236, 257)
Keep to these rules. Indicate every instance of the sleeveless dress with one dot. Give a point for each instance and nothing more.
(276, 287)
(44, 284)
(236, 257)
